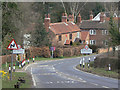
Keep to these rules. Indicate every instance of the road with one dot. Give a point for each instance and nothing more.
(63, 74)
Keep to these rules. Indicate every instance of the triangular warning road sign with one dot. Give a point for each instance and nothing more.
(12, 45)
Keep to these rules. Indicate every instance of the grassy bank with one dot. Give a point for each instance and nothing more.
(98, 71)
(6, 83)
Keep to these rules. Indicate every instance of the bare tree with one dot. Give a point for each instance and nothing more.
(75, 7)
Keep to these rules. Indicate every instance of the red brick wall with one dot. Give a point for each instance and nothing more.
(6, 58)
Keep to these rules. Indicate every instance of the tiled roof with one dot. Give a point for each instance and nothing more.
(84, 35)
(87, 24)
(62, 27)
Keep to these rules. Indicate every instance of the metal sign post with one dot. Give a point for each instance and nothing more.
(52, 49)
(11, 65)
(52, 53)
(12, 46)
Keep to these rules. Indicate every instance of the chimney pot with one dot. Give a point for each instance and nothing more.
(47, 22)
(79, 19)
(64, 17)
(102, 17)
(91, 15)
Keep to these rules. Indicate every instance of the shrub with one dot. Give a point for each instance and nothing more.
(93, 47)
(46, 52)
(58, 53)
(67, 52)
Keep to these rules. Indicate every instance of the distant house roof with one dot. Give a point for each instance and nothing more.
(84, 35)
(107, 14)
(87, 24)
(62, 27)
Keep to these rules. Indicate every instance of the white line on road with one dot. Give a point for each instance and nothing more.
(94, 84)
(33, 78)
(29, 65)
(105, 87)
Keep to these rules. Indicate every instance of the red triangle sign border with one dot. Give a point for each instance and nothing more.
(10, 44)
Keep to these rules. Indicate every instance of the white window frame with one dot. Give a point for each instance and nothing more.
(92, 32)
(92, 42)
(104, 32)
(105, 42)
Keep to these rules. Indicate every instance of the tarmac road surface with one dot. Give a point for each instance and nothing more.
(63, 74)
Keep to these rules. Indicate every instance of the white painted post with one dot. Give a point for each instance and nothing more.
(19, 65)
(109, 67)
(9, 69)
(80, 62)
(33, 59)
(14, 68)
(89, 59)
(28, 60)
(83, 63)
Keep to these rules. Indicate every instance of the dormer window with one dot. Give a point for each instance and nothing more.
(92, 32)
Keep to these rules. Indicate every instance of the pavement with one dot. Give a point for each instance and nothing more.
(63, 74)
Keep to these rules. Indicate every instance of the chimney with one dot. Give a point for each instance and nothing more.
(47, 22)
(91, 15)
(102, 17)
(79, 19)
(71, 18)
(64, 17)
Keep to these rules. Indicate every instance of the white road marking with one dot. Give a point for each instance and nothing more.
(51, 82)
(58, 82)
(46, 74)
(94, 84)
(29, 65)
(105, 87)
(43, 66)
(34, 83)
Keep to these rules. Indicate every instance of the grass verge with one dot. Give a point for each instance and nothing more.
(6, 83)
(99, 71)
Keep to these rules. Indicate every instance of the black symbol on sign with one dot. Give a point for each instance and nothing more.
(12, 45)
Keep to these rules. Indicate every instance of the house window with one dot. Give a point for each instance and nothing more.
(92, 42)
(70, 36)
(60, 38)
(92, 32)
(105, 42)
(104, 32)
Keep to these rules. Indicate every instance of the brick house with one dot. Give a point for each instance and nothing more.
(62, 33)
(95, 29)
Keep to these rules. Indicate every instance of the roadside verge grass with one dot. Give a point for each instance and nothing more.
(98, 71)
(6, 83)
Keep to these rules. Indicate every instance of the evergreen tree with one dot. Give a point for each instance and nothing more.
(114, 33)
(98, 8)
(39, 36)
